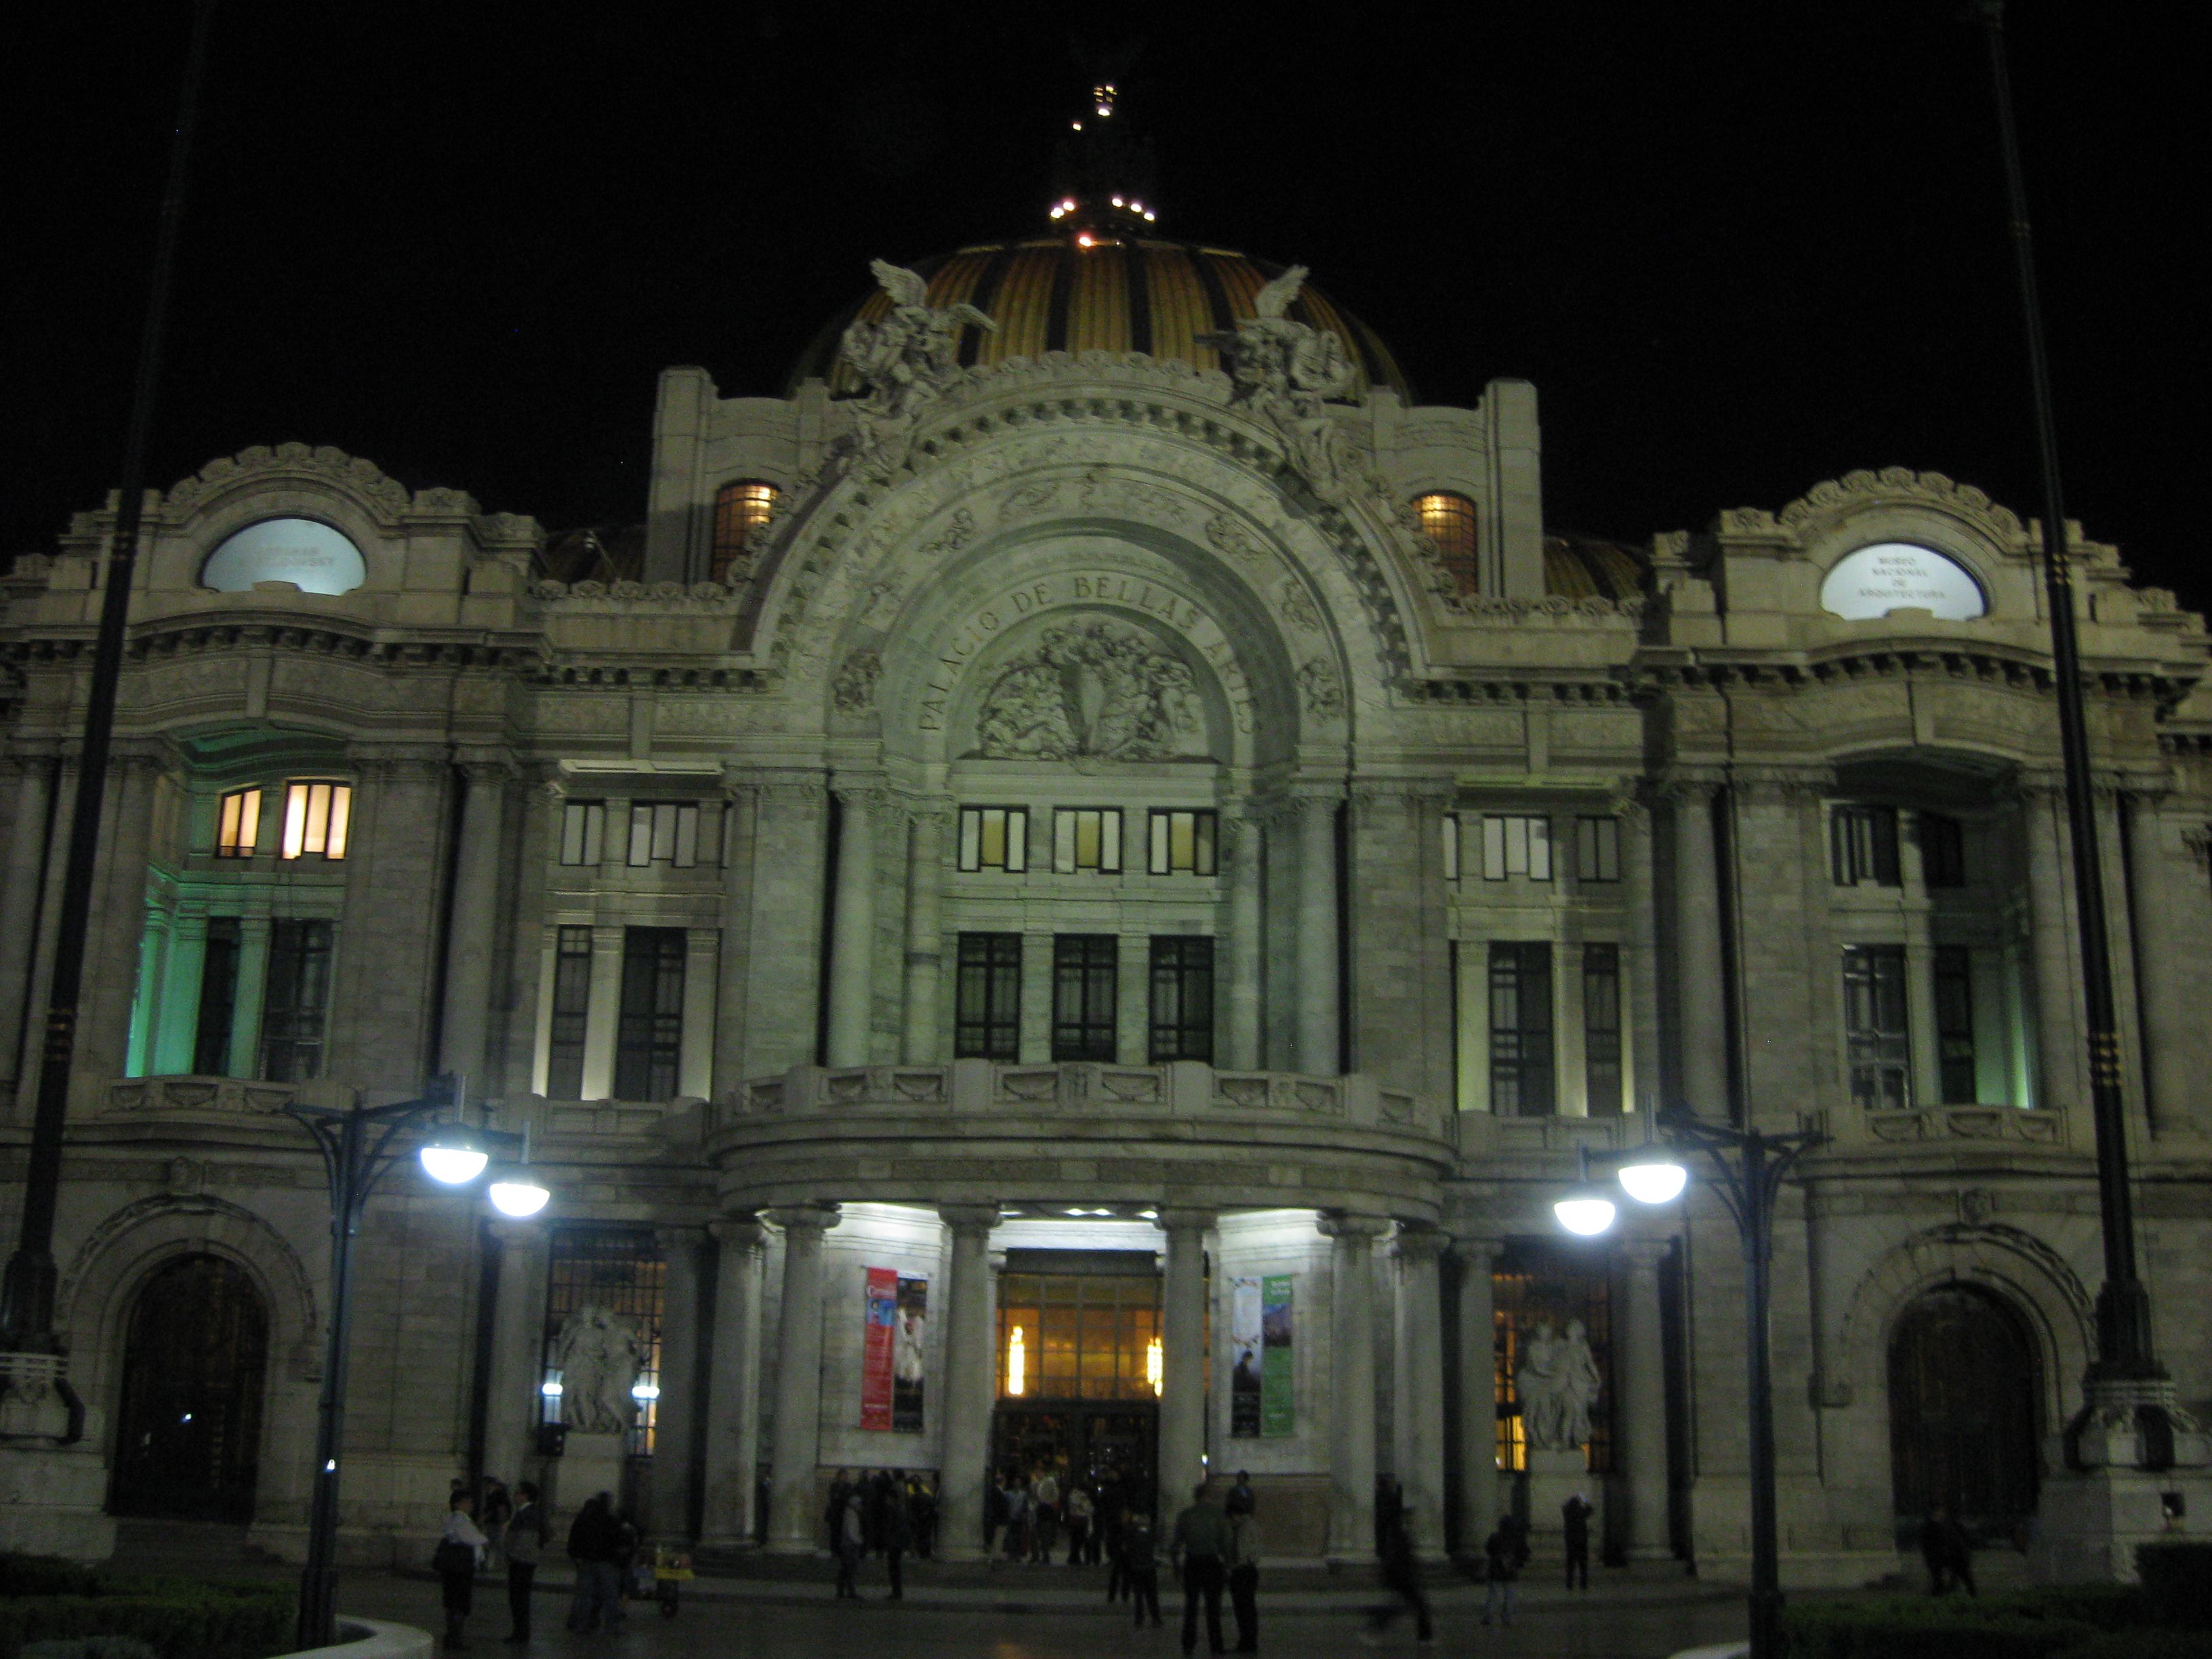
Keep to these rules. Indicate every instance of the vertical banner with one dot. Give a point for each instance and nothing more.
(879, 1338)
(1245, 1373)
(908, 1370)
(1277, 1387)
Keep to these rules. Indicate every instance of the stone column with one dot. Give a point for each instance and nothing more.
(970, 1349)
(1318, 1044)
(678, 1416)
(1640, 1018)
(245, 1002)
(1477, 1397)
(785, 939)
(603, 1012)
(853, 930)
(730, 1420)
(1700, 985)
(2060, 1081)
(175, 1024)
(1352, 1393)
(19, 899)
(1243, 846)
(117, 923)
(2172, 904)
(517, 1347)
(793, 1527)
(1924, 1049)
(740, 808)
(1640, 1413)
(1419, 1418)
(925, 943)
(1182, 1344)
(695, 1067)
(481, 861)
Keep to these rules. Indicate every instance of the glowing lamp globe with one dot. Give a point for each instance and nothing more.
(1585, 1213)
(1654, 1181)
(518, 1194)
(453, 1164)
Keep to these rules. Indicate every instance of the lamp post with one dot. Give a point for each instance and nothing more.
(1749, 1167)
(357, 1151)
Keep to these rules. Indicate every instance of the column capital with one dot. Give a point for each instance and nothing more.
(1369, 1227)
(526, 1235)
(1477, 1249)
(671, 1237)
(1421, 1246)
(1178, 1221)
(968, 1217)
(741, 1232)
(1689, 785)
(817, 1218)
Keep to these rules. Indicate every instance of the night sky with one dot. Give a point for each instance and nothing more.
(1739, 249)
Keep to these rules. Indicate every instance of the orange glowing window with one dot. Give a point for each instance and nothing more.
(1449, 521)
(317, 818)
(740, 511)
(238, 827)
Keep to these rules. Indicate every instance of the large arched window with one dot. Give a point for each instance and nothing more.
(1449, 521)
(740, 510)
(1962, 1411)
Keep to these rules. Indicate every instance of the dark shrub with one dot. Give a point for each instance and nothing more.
(2176, 1578)
(44, 1602)
(2144, 1644)
(1917, 1627)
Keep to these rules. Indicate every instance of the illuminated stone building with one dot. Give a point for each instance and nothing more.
(1099, 806)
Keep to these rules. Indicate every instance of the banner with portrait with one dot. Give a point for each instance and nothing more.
(894, 1335)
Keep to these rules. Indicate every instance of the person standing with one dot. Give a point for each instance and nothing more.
(1241, 1500)
(1017, 1518)
(1044, 1515)
(594, 1539)
(1140, 1566)
(1243, 1563)
(460, 1552)
(833, 1507)
(895, 1537)
(1503, 1554)
(1078, 1523)
(1200, 1548)
(523, 1542)
(1389, 1510)
(1401, 1576)
(1575, 1514)
(852, 1544)
(995, 1511)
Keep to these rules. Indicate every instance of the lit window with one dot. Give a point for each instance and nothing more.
(1086, 838)
(1449, 521)
(583, 831)
(1184, 843)
(1597, 850)
(1864, 845)
(995, 838)
(238, 829)
(740, 510)
(1516, 845)
(664, 832)
(316, 818)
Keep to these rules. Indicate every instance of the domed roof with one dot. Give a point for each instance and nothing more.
(1123, 294)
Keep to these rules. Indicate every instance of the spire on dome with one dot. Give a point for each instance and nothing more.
(1103, 171)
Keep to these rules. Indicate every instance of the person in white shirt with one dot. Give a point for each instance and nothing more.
(460, 1552)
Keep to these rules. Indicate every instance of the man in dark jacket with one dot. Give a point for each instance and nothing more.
(1574, 1513)
(1200, 1552)
(1401, 1576)
(594, 1542)
(1140, 1567)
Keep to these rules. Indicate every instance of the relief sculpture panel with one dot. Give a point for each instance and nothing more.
(1093, 690)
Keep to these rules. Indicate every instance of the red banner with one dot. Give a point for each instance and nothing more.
(879, 1341)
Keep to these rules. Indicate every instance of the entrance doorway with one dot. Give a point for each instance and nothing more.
(1962, 1412)
(1079, 1367)
(189, 1435)
(1092, 1444)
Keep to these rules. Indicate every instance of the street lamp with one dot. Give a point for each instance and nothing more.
(1749, 1167)
(454, 1154)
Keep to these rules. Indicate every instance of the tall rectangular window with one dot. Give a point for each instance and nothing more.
(1086, 838)
(664, 832)
(1184, 843)
(1521, 1059)
(295, 1000)
(1597, 849)
(1514, 844)
(1182, 998)
(1942, 851)
(1601, 1078)
(995, 838)
(572, 1001)
(583, 831)
(1878, 1045)
(1863, 841)
(988, 1000)
(649, 1034)
(218, 998)
(1955, 1024)
(238, 824)
(1084, 970)
(317, 818)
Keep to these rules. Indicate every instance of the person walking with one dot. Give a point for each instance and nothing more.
(1079, 1510)
(995, 1511)
(852, 1544)
(1200, 1548)
(1017, 1518)
(1401, 1576)
(833, 1507)
(1574, 1513)
(1948, 1552)
(1243, 1563)
(461, 1551)
(1504, 1554)
(1140, 1566)
(895, 1536)
(1044, 1516)
(594, 1540)
(523, 1542)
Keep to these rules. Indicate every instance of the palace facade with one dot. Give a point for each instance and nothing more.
(1074, 896)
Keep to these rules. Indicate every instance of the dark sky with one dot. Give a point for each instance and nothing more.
(1738, 248)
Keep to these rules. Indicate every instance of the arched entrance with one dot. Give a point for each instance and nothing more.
(1962, 1411)
(189, 1432)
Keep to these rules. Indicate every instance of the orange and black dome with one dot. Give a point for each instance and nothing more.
(1127, 294)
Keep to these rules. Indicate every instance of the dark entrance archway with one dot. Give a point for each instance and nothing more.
(1963, 1386)
(189, 1429)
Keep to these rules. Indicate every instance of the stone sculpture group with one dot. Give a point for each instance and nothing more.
(1558, 1385)
(599, 1356)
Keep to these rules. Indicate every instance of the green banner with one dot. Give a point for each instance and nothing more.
(1278, 1414)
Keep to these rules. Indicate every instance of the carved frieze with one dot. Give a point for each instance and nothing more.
(1093, 690)
(855, 687)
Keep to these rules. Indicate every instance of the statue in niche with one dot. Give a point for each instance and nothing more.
(1557, 1384)
(1093, 690)
(599, 1356)
(1578, 1384)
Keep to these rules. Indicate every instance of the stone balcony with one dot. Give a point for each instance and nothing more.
(979, 1130)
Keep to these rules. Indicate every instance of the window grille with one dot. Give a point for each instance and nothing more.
(1878, 1044)
(988, 1012)
(238, 824)
(584, 831)
(1448, 521)
(741, 511)
(317, 818)
(995, 838)
(1521, 1058)
(620, 1269)
(1085, 970)
(1184, 843)
(1597, 850)
(1955, 1024)
(1601, 1071)
(572, 1001)
(1516, 845)
(1086, 838)
(1863, 841)
(664, 832)
(218, 998)
(1182, 998)
(1536, 1283)
(649, 1038)
(295, 1000)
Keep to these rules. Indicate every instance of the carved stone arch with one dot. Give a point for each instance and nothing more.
(102, 1280)
(2030, 1276)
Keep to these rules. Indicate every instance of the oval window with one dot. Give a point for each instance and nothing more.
(1872, 581)
(308, 553)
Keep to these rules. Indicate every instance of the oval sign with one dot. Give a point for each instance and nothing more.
(308, 553)
(1872, 581)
